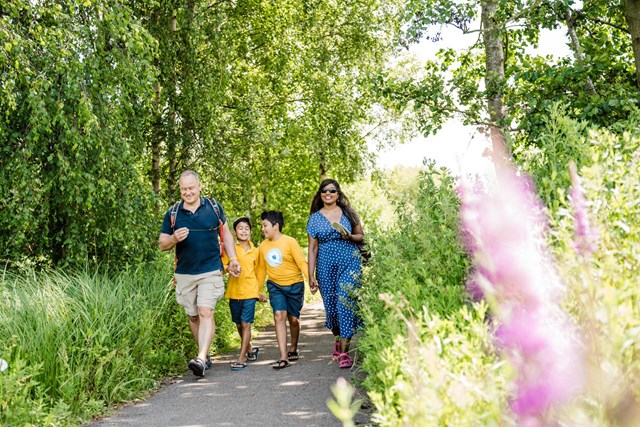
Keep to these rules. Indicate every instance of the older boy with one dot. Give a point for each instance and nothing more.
(281, 258)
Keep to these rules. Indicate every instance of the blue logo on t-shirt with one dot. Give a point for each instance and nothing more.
(274, 257)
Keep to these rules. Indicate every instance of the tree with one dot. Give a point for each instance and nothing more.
(498, 83)
(75, 81)
(264, 98)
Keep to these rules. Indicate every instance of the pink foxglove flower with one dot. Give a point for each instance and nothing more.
(504, 232)
(586, 237)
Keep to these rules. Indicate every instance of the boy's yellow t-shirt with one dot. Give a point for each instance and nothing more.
(282, 260)
(246, 286)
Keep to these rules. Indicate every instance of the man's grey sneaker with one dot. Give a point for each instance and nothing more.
(197, 366)
(207, 362)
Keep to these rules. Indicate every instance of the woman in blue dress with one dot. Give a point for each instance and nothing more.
(335, 265)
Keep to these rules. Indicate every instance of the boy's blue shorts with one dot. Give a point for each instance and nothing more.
(242, 310)
(286, 298)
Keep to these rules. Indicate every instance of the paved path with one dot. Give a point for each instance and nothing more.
(256, 396)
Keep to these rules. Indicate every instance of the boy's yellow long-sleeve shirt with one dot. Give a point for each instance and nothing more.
(282, 260)
(246, 286)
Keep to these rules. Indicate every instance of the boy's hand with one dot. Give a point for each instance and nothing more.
(262, 298)
(234, 268)
(313, 285)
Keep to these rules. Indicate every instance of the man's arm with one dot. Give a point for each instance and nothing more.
(230, 249)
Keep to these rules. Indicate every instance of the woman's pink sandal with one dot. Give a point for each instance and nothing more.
(336, 351)
(345, 361)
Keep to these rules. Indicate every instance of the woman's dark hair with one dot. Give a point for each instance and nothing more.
(274, 217)
(242, 219)
(343, 202)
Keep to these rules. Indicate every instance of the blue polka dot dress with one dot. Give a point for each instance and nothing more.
(338, 271)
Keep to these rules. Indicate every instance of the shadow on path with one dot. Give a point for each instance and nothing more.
(257, 396)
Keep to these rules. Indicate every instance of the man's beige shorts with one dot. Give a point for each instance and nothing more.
(199, 290)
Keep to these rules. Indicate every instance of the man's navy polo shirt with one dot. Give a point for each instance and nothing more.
(200, 251)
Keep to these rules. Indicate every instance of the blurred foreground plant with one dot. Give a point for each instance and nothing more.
(505, 229)
(342, 407)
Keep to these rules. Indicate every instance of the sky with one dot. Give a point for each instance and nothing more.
(457, 147)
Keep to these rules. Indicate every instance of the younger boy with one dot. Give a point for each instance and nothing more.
(244, 291)
(281, 258)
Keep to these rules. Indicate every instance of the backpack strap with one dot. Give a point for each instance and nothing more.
(216, 209)
(174, 212)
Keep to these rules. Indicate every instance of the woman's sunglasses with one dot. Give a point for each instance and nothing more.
(329, 190)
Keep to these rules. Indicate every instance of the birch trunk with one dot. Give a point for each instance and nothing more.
(494, 78)
(632, 13)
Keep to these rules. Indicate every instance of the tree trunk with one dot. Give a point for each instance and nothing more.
(575, 46)
(156, 139)
(322, 168)
(172, 155)
(632, 13)
(494, 78)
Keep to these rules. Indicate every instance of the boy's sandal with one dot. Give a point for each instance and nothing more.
(281, 364)
(238, 366)
(253, 356)
(292, 356)
(345, 361)
(197, 366)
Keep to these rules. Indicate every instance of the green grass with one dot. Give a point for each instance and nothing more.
(79, 343)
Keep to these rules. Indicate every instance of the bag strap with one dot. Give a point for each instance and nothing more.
(216, 209)
(174, 212)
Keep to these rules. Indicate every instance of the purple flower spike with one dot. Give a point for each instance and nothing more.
(503, 230)
(586, 237)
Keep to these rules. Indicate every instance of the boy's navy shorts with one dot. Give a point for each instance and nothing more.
(242, 310)
(286, 298)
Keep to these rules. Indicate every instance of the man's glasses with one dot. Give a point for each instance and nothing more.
(329, 190)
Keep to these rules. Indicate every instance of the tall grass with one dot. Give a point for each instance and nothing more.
(88, 339)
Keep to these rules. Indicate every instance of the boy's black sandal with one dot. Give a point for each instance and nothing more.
(292, 356)
(281, 364)
(253, 356)
(238, 366)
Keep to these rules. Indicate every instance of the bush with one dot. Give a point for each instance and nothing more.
(22, 401)
(428, 354)
(422, 260)
(441, 372)
(604, 296)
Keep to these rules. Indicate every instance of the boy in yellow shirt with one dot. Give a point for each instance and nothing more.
(281, 258)
(244, 291)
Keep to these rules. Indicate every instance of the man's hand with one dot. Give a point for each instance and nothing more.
(180, 234)
(234, 268)
(262, 298)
